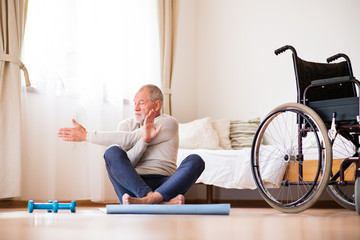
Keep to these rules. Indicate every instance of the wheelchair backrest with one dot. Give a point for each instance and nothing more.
(309, 71)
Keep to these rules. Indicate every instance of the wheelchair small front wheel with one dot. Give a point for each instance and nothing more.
(343, 194)
(291, 158)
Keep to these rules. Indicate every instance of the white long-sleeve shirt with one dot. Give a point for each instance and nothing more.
(157, 157)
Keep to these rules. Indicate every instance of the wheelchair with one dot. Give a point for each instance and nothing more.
(300, 149)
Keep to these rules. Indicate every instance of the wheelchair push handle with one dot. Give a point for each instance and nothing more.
(333, 58)
(339, 55)
(284, 48)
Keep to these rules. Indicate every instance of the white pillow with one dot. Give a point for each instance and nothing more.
(198, 134)
(222, 128)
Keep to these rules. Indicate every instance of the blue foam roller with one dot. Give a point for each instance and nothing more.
(193, 209)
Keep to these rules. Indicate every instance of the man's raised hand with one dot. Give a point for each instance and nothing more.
(149, 130)
(75, 134)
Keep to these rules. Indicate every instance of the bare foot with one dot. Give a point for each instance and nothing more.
(178, 200)
(126, 199)
(153, 198)
(150, 198)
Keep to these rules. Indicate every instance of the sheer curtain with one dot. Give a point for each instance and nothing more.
(86, 60)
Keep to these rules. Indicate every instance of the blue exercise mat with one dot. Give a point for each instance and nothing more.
(194, 209)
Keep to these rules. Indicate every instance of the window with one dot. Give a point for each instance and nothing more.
(87, 48)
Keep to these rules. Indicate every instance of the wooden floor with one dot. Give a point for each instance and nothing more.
(242, 223)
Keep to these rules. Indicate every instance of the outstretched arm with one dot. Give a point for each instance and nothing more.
(75, 134)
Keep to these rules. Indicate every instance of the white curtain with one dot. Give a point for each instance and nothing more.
(12, 24)
(86, 59)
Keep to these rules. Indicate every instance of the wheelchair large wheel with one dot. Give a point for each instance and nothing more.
(344, 195)
(357, 195)
(291, 158)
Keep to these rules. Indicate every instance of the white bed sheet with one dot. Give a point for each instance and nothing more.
(232, 168)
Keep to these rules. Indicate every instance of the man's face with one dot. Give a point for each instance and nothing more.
(143, 105)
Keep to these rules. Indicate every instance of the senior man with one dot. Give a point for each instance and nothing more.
(142, 153)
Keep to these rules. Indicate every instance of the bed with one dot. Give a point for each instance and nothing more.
(231, 169)
(225, 146)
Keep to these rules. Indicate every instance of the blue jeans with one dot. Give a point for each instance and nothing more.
(125, 179)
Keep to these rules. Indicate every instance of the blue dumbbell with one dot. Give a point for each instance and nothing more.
(71, 206)
(54, 206)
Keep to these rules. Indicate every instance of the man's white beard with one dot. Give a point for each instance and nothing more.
(138, 119)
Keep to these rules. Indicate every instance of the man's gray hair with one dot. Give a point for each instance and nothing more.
(155, 93)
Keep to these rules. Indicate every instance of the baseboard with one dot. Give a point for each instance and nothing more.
(260, 203)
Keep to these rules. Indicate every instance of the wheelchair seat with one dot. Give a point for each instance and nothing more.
(346, 109)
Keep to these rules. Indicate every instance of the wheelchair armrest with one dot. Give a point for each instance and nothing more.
(338, 80)
(328, 81)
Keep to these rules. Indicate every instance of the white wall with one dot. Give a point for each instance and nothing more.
(225, 65)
